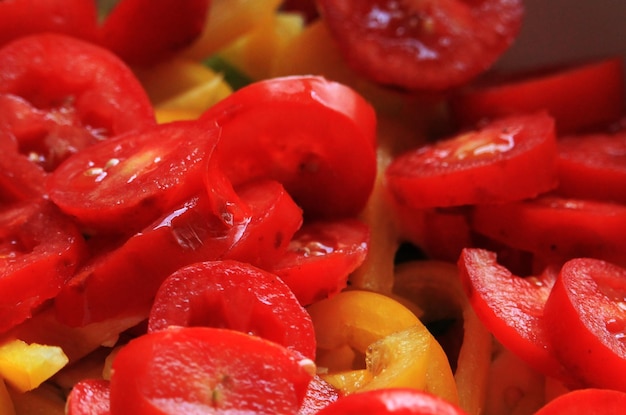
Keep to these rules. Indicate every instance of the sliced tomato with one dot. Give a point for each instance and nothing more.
(315, 136)
(578, 95)
(147, 31)
(24, 17)
(511, 307)
(89, 397)
(237, 296)
(479, 166)
(321, 256)
(425, 44)
(207, 370)
(586, 322)
(392, 401)
(20, 178)
(124, 281)
(589, 401)
(40, 250)
(593, 167)
(122, 184)
(319, 395)
(555, 229)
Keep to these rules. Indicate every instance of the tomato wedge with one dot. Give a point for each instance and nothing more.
(589, 401)
(89, 397)
(237, 296)
(479, 166)
(40, 249)
(315, 136)
(422, 45)
(321, 256)
(207, 370)
(586, 322)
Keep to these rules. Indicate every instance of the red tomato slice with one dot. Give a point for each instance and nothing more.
(20, 179)
(315, 136)
(578, 96)
(237, 296)
(89, 397)
(511, 307)
(24, 17)
(319, 395)
(586, 322)
(195, 370)
(422, 45)
(321, 256)
(557, 229)
(124, 281)
(124, 183)
(147, 31)
(40, 250)
(391, 401)
(479, 166)
(593, 167)
(586, 402)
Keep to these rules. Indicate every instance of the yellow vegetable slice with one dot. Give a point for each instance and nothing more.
(26, 366)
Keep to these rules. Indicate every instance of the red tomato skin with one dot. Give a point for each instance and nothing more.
(319, 395)
(20, 179)
(89, 397)
(454, 172)
(321, 256)
(398, 401)
(589, 401)
(237, 296)
(41, 249)
(579, 96)
(586, 322)
(593, 166)
(144, 32)
(317, 137)
(429, 45)
(511, 307)
(197, 370)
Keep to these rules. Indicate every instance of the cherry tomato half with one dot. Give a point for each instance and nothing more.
(89, 397)
(586, 402)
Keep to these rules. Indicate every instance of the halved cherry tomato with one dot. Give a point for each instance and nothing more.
(593, 167)
(237, 296)
(40, 250)
(122, 184)
(321, 256)
(315, 136)
(425, 44)
(586, 322)
(578, 95)
(147, 31)
(319, 395)
(204, 370)
(479, 166)
(89, 397)
(511, 307)
(586, 402)
(392, 401)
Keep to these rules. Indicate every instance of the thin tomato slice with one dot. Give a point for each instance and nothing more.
(319, 395)
(40, 250)
(89, 397)
(586, 322)
(237, 296)
(321, 256)
(591, 401)
(425, 44)
(511, 307)
(593, 166)
(579, 96)
(207, 370)
(315, 136)
(479, 166)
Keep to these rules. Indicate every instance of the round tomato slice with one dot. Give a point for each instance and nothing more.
(586, 322)
(511, 307)
(593, 167)
(321, 256)
(89, 397)
(479, 166)
(392, 401)
(315, 136)
(20, 179)
(40, 250)
(578, 96)
(237, 296)
(124, 183)
(425, 44)
(589, 401)
(207, 370)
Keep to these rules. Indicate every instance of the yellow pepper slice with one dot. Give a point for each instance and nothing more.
(26, 366)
